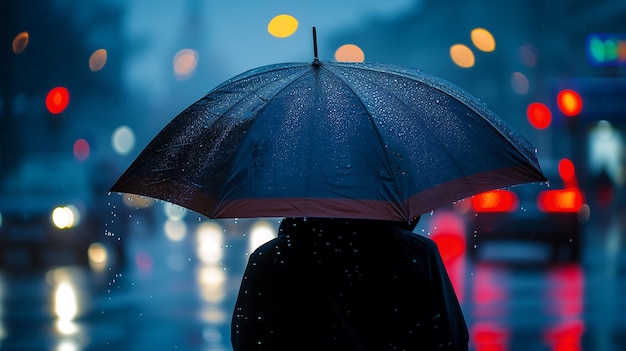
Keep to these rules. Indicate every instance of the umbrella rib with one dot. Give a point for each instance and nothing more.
(254, 92)
(440, 85)
(369, 116)
(266, 101)
(444, 147)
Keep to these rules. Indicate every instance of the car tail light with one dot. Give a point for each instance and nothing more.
(562, 200)
(495, 201)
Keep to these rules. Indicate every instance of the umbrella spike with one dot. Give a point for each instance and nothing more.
(316, 61)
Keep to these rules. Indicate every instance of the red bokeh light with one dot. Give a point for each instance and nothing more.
(569, 102)
(495, 201)
(561, 200)
(57, 100)
(539, 115)
(567, 171)
(81, 149)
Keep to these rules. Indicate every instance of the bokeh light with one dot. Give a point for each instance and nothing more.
(81, 149)
(282, 26)
(20, 42)
(57, 100)
(97, 253)
(539, 115)
(211, 281)
(137, 201)
(185, 63)
(97, 60)
(599, 51)
(123, 140)
(527, 55)
(567, 171)
(519, 83)
(349, 53)
(173, 211)
(260, 233)
(209, 237)
(483, 40)
(606, 49)
(569, 102)
(64, 217)
(65, 301)
(462, 56)
(175, 230)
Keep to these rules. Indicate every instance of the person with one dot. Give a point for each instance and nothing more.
(347, 284)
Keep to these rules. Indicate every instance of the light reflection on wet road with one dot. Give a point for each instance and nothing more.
(174, 294)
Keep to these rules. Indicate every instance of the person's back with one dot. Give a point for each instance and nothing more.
(336, 284)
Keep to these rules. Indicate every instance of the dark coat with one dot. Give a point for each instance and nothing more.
(336, 284)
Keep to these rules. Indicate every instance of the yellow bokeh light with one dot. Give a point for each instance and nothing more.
(20, 42)
(282, 26)
(97, 253)
(349, 53)
(483, 40)
(64, 217)
(175, 230)
(137, 201)
(462, 56)
(212, 281)
(97, 60)
(185, 63)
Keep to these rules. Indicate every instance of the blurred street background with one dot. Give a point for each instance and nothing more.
(85, 85)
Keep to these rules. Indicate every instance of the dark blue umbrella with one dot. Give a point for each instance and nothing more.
(329, 139)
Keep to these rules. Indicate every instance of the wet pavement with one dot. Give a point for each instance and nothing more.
(178, 285)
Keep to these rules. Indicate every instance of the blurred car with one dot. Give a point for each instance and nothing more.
(47, 215)
(530, 222)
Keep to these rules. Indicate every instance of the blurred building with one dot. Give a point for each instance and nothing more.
(74, 46)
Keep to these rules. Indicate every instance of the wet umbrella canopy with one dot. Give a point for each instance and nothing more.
(329, 139)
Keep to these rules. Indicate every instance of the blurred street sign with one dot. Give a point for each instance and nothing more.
(606, 49)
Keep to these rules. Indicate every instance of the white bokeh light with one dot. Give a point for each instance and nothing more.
(175, 230)
(260, 233)
(210, 240)
(173, 211)
(123, 140)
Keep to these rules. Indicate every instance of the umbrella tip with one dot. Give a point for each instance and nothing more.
(316, 61)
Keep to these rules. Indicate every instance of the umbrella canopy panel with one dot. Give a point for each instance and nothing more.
(352, 140)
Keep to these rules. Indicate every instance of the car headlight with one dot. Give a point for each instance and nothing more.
(64, 217)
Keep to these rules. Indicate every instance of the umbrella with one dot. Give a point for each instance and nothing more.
(330, 139)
